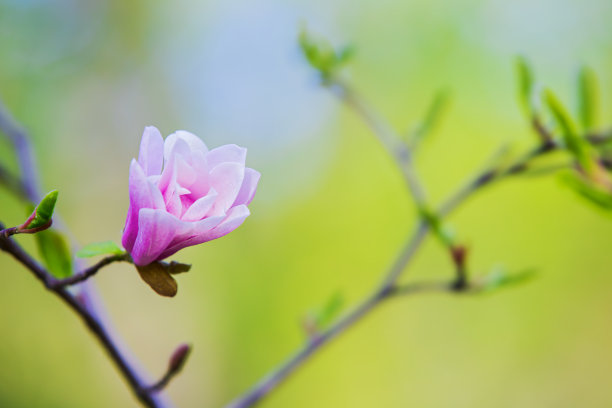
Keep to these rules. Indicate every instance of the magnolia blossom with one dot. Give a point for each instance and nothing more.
(183, 194)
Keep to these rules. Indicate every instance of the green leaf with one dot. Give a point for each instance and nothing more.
(345, 54)
(432, 116)
(589, 190)
(321, 55)
(100, 248)
(525, 85)
(156, 275)
(309, 49)
(499, 277)
(55, 253)
(574, 143)
(43, 211)
(326, 315)
(588, 99)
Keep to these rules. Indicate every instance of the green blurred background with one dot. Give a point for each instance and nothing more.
(331, 211)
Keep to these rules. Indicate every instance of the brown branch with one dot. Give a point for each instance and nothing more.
(600, 138)
(277, 376)
(389, 286)
(93, 324)
(7, 232)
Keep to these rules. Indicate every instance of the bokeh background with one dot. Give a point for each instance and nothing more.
(331, 211)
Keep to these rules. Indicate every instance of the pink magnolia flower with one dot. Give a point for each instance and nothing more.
(183, 194)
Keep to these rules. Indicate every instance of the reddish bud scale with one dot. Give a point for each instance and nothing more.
(459, 253)
(178, 358)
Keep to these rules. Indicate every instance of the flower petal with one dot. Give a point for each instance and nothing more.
(141, 196)
(156, 229)
(197, 235)
(150, 156)
(200, 207)
(130, 230)
(186, 174)
(140, 193)
(226, 179)
(249, 187)
(173, 145)
(182, 137)
(235, 218)
(170, 188)
(158, 198)
(227, 153)
(201, 185)
(194, 142)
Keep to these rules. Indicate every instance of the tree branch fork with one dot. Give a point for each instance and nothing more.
(144, 392)
(389, 288)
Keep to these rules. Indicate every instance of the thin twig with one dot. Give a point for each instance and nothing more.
(95, 326)
(490, 174)
(275, 377)
(425, 287)
(7, 232)
(175, 365)
(27, 164)
(162, 383)
(396, 148)
(12, 183)
(600, 138)
(91, 271)
(386, 289)
(402, 152)
(389, 285)
(546, 137)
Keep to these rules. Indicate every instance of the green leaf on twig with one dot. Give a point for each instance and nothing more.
(588, 99)
(330, 310)
(592, 192)
(499, 278)
(579, 148)
(156, 275)
(525, 85)
(321, 55)
(43, 212)
(54, 251)
(432, 116)
(319, 319)
(100, 248)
